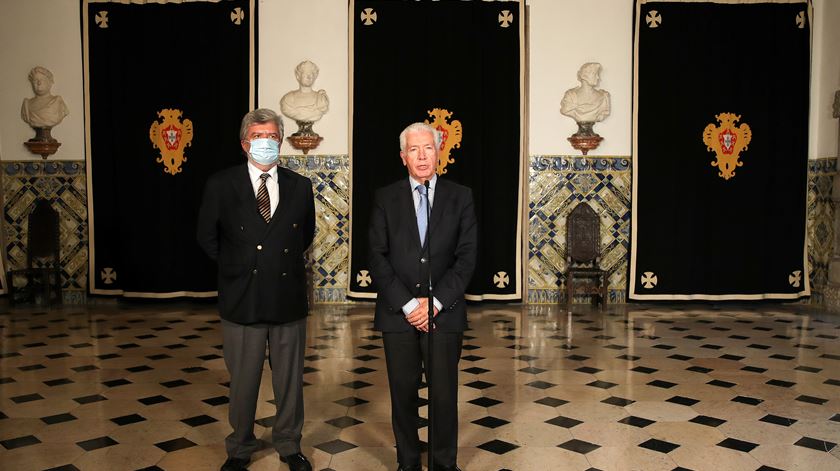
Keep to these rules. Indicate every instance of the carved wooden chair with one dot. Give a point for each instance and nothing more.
(583, 249)
(43, 268)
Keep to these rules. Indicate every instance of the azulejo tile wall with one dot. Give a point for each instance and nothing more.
(330, 254)
(555, 185)
(65, 183)
(821, 174)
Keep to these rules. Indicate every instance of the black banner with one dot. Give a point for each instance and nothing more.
(166, 86)
(467, 63)
(720, 150)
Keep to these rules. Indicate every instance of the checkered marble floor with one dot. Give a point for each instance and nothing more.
(636, 387)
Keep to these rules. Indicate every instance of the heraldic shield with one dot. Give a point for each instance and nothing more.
(727, 141)
(720, 154)
(171, 136)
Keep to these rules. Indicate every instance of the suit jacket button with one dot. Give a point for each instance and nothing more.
(285, 250)
(294, 226)
(259, 247)
(255, 271)
(423, 260)
(241, 228)
(284, 274)
(417, 285)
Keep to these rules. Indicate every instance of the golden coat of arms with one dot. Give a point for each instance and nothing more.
(171, 136)
(450, 136)
(727, 142)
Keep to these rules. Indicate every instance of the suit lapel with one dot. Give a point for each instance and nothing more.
(286, 188)
(405, 201)
(439, 206)
(244, 190)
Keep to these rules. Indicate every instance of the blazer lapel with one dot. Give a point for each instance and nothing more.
(244, 190)
(405, 201)
(286, 187)
(440, 203)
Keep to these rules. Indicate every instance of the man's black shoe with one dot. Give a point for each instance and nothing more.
(297, 462)
(440, 467)
(235, 464)
(410, 468)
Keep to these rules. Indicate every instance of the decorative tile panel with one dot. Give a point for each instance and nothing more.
(556, 184)
(820, 224)
(64, 183)
(330, 253)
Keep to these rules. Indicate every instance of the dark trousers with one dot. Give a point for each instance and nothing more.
(405, 355)
(244, 352)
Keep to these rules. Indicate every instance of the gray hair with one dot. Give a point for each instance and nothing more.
(43, 71)
(420, 127)
(259, 116)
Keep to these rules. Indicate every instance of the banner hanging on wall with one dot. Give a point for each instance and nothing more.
(720, 150)
(464, 77)
(166, 85)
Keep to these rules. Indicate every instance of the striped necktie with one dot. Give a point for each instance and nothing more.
(263, 201)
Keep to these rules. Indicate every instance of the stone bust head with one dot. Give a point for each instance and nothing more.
(305, 104)
(585, 103)
(43, 110)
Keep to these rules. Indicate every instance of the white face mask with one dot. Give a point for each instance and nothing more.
(265, 151)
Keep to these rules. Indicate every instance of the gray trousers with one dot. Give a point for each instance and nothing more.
(244, 352)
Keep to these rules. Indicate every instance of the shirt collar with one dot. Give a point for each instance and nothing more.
(414, 182)
(255, 173)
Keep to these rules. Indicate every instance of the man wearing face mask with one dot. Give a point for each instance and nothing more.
(256, 221)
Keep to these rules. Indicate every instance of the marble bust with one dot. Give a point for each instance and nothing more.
(585, 103)
(44, 110)
(305, 104)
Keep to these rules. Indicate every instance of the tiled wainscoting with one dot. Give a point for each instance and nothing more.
(555, 185)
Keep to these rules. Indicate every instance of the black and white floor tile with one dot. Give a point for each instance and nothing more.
(684, 387)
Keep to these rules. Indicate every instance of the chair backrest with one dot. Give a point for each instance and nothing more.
(43, 238)
(583, 235)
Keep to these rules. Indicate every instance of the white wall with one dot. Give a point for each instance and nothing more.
(825, 79)
(563, 35)
(45, 33)
(287, 37)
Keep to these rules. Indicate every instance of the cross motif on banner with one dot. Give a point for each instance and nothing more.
(800, 20)
(363, 278)
(501, 279)
(108, 275)
(237, 15)
(653, 19)
(102, 19)
(795, 278)
(505, 18)
(649, 280)
(368, 16)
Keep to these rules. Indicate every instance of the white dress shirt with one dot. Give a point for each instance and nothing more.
(416, 194)
(270, 184)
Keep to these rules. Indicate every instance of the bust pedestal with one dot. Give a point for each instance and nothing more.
(305, 139)
(43, 143)
(585, 139)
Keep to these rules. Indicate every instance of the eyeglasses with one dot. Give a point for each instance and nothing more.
(264, 135)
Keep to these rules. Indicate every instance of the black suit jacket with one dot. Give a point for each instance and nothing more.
(261, 265)
(399, 264)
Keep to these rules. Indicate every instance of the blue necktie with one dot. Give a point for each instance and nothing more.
(422, 221)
